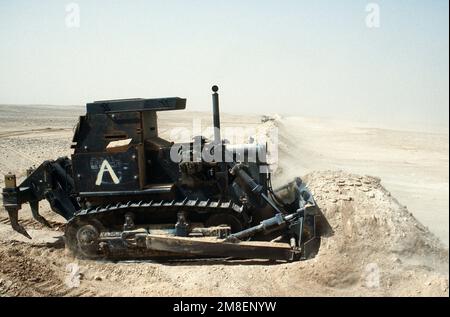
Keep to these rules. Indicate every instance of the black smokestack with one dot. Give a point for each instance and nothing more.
(216, 114)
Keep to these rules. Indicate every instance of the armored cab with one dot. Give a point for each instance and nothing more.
(118, 153)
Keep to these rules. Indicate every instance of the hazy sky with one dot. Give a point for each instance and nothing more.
(314, 58)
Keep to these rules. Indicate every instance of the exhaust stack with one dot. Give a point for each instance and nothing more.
(216, 115)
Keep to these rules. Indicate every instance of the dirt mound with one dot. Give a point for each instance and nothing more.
(367, 219)
(373, 236)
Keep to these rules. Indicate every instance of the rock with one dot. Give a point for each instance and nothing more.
(98, 278)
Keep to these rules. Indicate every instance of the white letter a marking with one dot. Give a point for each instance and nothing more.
(106, 167)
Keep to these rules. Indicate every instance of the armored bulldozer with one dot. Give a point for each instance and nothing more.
(128, 193)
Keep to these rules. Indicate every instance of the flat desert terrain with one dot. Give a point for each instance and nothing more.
(384, 192)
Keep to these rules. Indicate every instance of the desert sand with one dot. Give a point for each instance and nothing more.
(383, 191)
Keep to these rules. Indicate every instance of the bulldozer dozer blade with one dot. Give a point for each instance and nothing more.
(311, 248)
(219, 248)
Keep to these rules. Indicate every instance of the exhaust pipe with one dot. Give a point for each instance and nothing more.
(216, 115)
